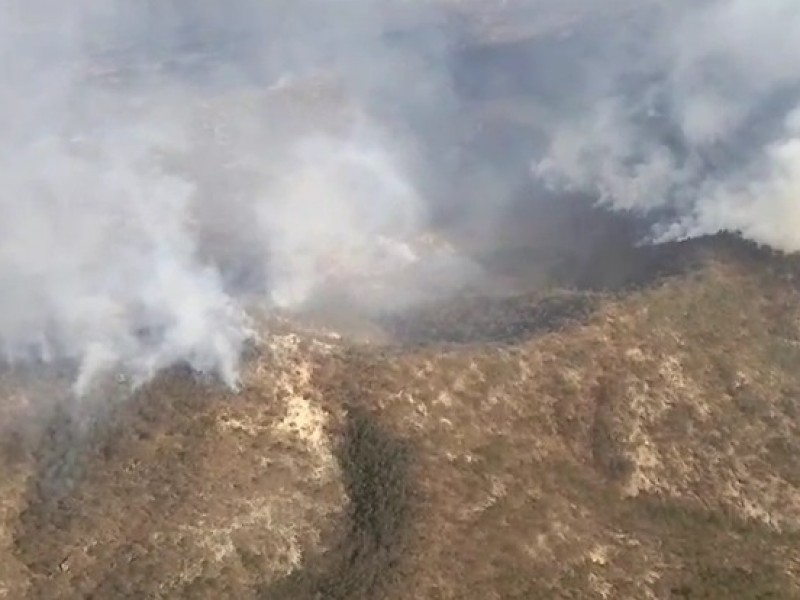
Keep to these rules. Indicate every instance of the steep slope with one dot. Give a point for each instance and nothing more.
(646, 448)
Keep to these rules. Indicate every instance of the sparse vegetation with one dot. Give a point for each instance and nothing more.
(481, 320)
(646, 447)
(363, 562)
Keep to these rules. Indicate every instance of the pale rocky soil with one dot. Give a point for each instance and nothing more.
(647, 449)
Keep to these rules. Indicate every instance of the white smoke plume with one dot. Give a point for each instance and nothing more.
(689, 114)
(167, 164)
(157, 175)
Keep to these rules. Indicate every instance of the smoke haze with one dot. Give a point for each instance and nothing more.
(165, 166)
(689, 115)
(157, 174)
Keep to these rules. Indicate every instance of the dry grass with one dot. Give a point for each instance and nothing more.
(647, 450)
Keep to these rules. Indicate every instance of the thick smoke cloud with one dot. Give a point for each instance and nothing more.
(689, 114)
(166, 165)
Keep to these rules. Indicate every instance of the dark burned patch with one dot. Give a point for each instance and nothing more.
(72, 489)
(608, 261)
(567, 242)
(614, 261)
(366, 560)
(607, 454)
(111, 483)
(626, 266)
(62, 456)
(485, 319)
(59, 457)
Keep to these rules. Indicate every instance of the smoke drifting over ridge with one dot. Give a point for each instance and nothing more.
(156, 174)
(690, 113)
(167, 165)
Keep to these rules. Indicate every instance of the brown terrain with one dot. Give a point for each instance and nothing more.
(610, 422)
(636, 444)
